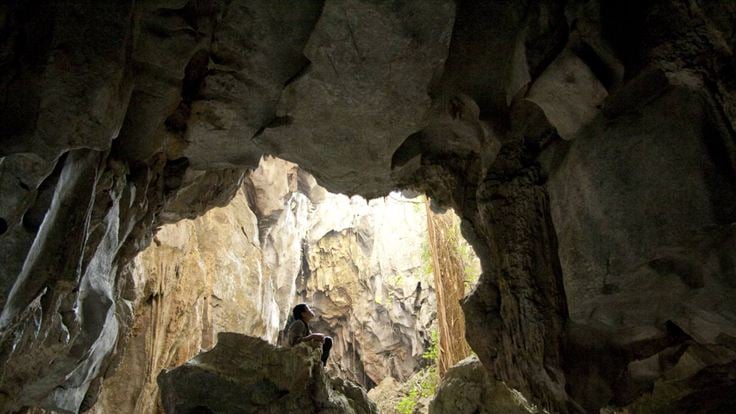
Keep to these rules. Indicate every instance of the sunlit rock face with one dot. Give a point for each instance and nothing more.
(199, 277)
(283, 218)
(117, 118)
(362, 265)
(367, 274)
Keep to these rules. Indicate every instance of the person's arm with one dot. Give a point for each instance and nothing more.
(298, 332)
(315, 337)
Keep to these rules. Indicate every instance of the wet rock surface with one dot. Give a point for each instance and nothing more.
(248, 375)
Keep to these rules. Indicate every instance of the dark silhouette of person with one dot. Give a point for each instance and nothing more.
(299, 331)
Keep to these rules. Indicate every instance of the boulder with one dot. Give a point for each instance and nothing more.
(243, 374)
(468, 388)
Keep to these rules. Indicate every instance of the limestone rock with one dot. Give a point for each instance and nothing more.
(102, 104)
(355, 261)
(691, 383)
(386, 394)
(467, 388)
(371, 65)
(256, 50)
(392, 397)
(247, 375)
(198, 278)
(215, 274)
(369, 281)
(569, 94)
(637, 252)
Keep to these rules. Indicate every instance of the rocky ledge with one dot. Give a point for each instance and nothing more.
(242, 374)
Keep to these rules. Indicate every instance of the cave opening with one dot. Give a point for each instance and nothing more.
(385, 277)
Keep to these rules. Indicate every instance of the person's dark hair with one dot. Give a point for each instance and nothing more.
(298, 310)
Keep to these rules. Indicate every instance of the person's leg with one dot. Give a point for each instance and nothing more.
(326, 346)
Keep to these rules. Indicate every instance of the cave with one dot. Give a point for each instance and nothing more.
(587, 147)
(368, 269)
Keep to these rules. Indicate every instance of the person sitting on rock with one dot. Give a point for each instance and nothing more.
(299, 331)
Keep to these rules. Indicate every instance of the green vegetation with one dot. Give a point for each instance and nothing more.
(432, 352)
(471, 277)
(397, 280)
(427, 268)
(406, 405)
(418, 205)
(467, 257)
(427, 379)
(424, 388)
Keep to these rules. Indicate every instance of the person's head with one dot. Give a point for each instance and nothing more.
(302, 312)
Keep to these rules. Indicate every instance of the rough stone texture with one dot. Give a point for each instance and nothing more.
(568, 93)
(283, 217)
(242, 374)
(368, 279)
(199, 277)
(366, 89)
(647, 167)
(634, 176)
(360, 264)
(646, 242)
(107, 112)
(389, 393)
(467, 388)
(72, 328)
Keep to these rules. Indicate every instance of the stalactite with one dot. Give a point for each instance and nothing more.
(449, 280)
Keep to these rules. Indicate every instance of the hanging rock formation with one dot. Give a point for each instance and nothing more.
(587, 145)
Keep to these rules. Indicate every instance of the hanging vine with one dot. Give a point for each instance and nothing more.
(449, 279)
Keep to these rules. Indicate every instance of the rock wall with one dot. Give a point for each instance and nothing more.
(645, 239)
(362, 265)
(198, 278)
(614, 152)
(370, 282)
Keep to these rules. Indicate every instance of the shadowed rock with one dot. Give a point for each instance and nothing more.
(468, 389)
(248, 375)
